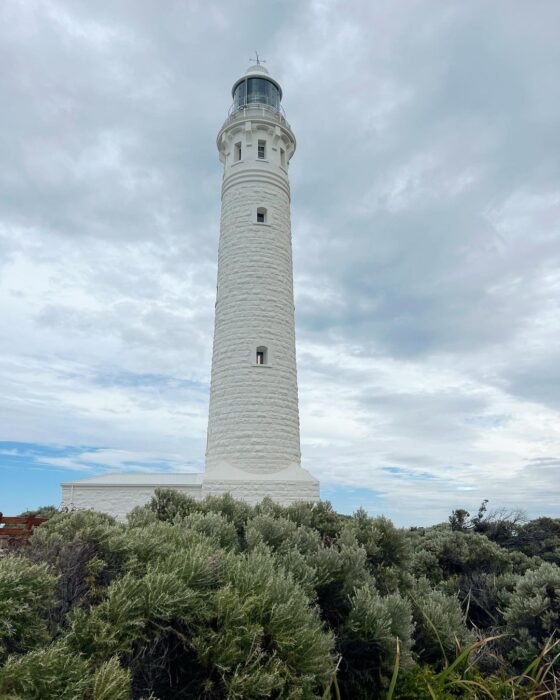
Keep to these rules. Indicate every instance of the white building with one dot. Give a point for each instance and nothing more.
(253, 447)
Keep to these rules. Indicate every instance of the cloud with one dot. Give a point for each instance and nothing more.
(425, 216)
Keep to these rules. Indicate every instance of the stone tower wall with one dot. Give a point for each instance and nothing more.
(253, 417)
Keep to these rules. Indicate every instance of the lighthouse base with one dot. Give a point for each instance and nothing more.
(118, 494)
(285, 486)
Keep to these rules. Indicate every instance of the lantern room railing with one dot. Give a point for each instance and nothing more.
(256, 109)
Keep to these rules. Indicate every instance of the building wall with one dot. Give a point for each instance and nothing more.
(253, 416)
(113, 499)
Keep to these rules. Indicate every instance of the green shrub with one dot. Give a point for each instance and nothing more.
(53, 673)
(245, 630)
(301, 569)
(451, 553)
(269, 529)
(86, 550)
(533, 612)
(26, 592)
(215, 526)
(111, 681)
(169, 505)
(237, 512)
(216, 599)
(41, 512)
(56, 673)
(439, 627)
(387, 548)
(368, 641)
(541, 538)
(318, 516)
(289, 630)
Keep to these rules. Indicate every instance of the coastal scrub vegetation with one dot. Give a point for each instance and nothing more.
(218, 599)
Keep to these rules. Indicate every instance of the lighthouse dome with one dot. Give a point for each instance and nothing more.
(256, 68)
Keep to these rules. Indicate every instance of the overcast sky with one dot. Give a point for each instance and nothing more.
(426, 230)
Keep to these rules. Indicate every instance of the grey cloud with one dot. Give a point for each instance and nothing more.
(537, 381)
(435, 274)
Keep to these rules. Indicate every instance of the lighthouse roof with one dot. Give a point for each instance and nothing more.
(257, 68)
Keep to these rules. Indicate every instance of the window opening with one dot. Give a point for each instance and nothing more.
(262, 150)
(262, 355)
(237, 151)
(282, 157)
(261, 215)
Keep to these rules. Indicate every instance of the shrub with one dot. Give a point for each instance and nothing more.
(453, 553)
(53, 673)
(369, 640)
(184, 627)
(216, 527)
(339, 571)
(216, 599)
(291, 640)
(439, 627)
(318, 516)
(387, 548)
(26, 592)
(56, 673)
(168, 505)
(86, 550)
(42, 512)
(533, 612)
(540, 537)
(270, 530)
(111, 681)
(237, 512)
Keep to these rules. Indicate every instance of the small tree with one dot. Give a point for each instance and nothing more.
(458, 519)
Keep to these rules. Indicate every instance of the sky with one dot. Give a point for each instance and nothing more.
(426, 234)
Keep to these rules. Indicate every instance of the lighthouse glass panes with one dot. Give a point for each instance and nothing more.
(262, 150)
(240, 95)
(256, 91)
(261, 215)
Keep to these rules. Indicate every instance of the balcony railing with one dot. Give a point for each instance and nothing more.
(256, 109)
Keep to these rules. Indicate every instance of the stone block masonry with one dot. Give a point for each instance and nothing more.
(253, 445)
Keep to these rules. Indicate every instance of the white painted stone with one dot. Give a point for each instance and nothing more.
(285, 486)
(118, 494)
(253, 424)
(253, 445)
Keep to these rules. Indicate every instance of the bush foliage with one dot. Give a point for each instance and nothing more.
(217, 599)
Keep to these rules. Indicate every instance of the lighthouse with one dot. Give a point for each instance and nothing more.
(253, 441)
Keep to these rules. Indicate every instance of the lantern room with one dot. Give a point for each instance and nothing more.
(256, 87)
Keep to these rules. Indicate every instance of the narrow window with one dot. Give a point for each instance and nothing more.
(282, 157)
(237, 155)
(262, 150)
(262, 355)
(261, 215)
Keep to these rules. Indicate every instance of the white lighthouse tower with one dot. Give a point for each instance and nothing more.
(253, 447)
